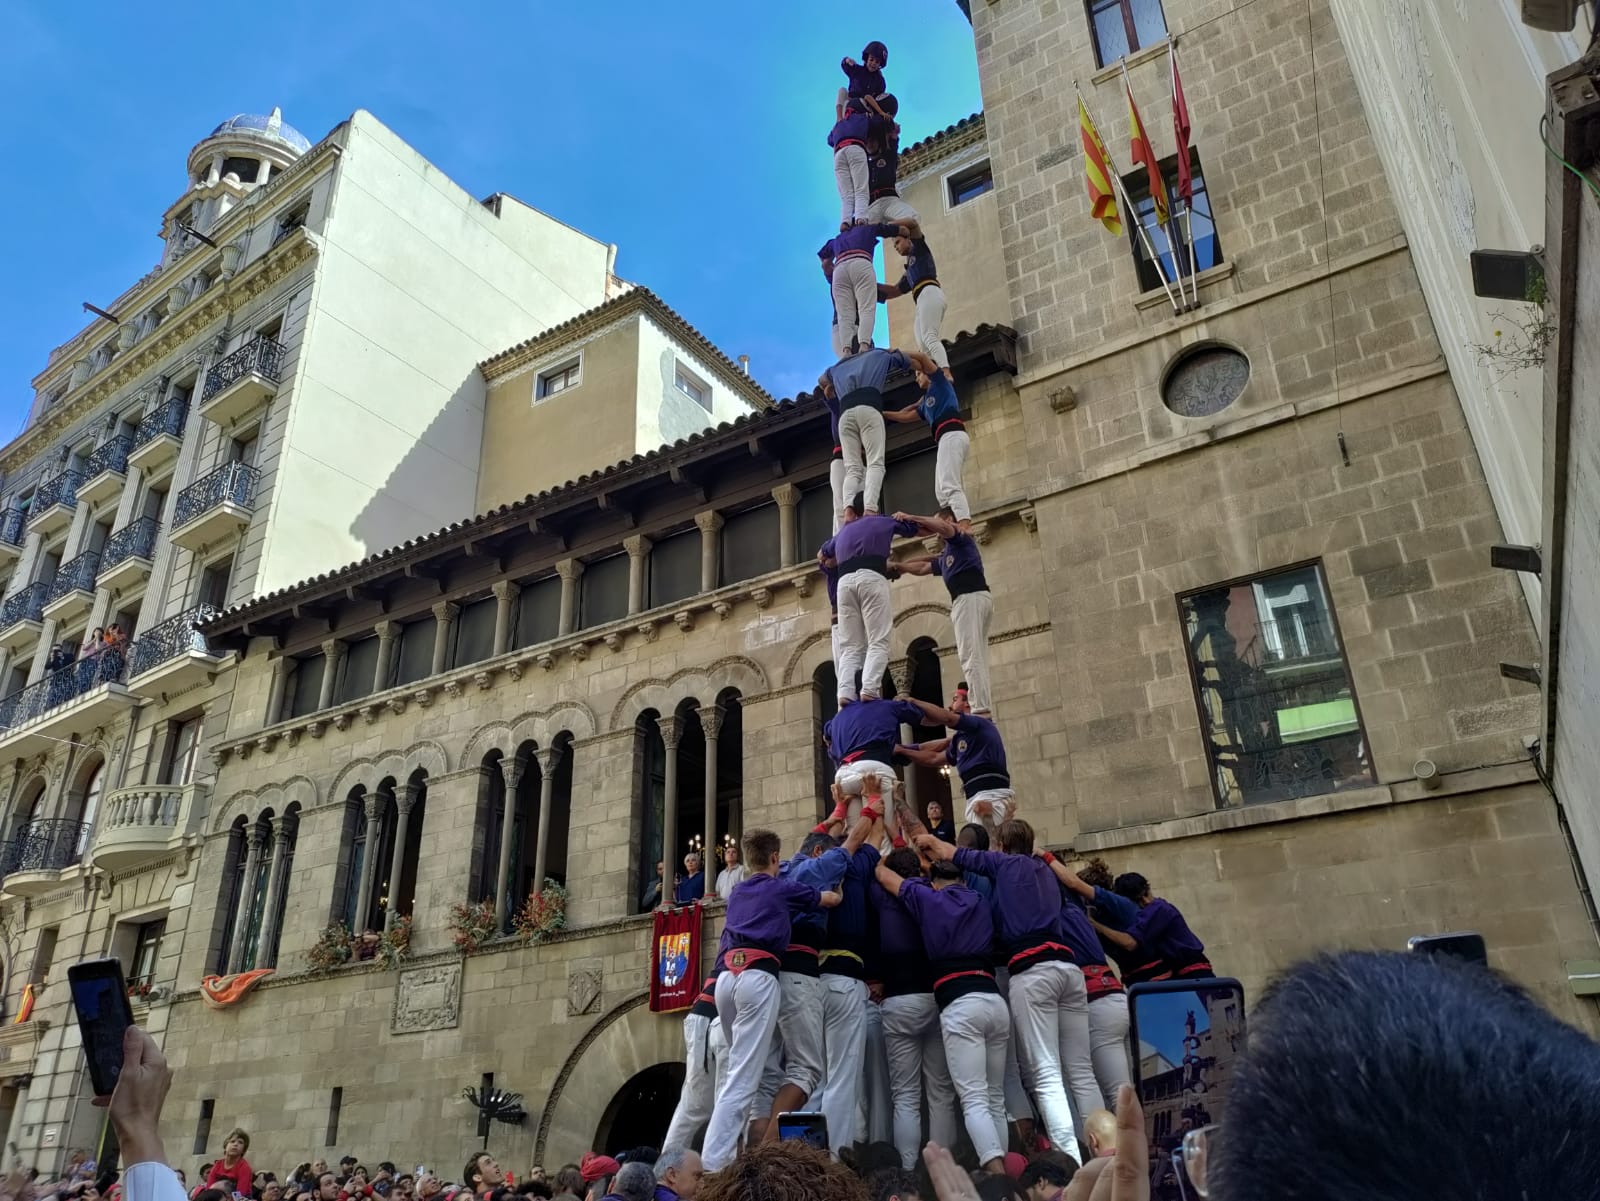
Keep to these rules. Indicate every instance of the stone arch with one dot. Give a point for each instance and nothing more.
(496, 736)
(926, 620)
(620, 1045)
(813, 651)
(357, 771)
(732, 671)
(277, 797)
(541, 726)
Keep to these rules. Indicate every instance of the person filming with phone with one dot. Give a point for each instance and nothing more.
(135, 1105)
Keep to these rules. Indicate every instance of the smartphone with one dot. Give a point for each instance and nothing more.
(1462, 945)
(805, 1127)
(1189, 1035)
(100, 996)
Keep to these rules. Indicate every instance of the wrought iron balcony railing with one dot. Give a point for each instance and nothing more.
(43, 846)
(136, 540)
(173, 637)
(113, 456)
(75, 575)
(63, 490)
(168, 419)
(26, 605)
(263, 357)
(12, 522)
(232, 482)
(62, 685)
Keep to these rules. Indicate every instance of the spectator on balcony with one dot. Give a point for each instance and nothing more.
(651, 897)
(733, 870)
(692, 886)
(113, 653)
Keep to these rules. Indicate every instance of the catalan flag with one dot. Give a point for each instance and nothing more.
(1097, 171)
(24, 1010)
(1144, 152)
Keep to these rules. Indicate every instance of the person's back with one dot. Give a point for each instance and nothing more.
(1390, 1077)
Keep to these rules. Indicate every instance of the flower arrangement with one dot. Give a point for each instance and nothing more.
(543, 913)
(471, 925)
(394, 948)
(139, 990)
(332, 949)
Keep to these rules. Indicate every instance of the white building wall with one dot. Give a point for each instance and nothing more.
(417, 283)
(663, 413)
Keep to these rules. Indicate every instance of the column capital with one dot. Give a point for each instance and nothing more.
(511, 769)
(787, 495)
(506, 590)
(333, 648)
(671, 730)
(406, 795)
(387, 630)
(372, 803)
(711, 719)
(569, 569)
(709, 521)
(446, 612)
(900, 670)
(548, 757)
(637, 545)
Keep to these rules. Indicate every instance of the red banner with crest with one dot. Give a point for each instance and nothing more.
(675, 959)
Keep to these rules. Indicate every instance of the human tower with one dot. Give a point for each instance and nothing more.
(970, 977)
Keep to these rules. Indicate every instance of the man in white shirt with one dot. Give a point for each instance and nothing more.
(733, 872)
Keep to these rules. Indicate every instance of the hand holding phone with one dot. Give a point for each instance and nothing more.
(100, 997)
(805, 1127)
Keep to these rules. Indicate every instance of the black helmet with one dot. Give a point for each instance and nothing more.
(878, 51)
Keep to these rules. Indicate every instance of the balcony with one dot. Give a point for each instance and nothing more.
(215, 508)
(21, 617)
(106, 471)
(54, 502)
(243, 382)
(125, 561)
(71, 700)
(19, 1044)
(173, 656)
(159, 437)
(142, 824)
(72, 591)
(33, 861)
(12, 533)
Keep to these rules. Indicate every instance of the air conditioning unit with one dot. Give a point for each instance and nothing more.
(1556, 16)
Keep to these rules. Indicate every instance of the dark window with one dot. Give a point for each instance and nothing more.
(359, 670)
(44, 955)
(416, 650)
(539, 611)
(181, 749)
(749, 544)
(355, 844)
(908, 484)
(243, 448)
(202, 1129)
(146, 950)
(244, 168)
(305, 690)
(815, 517)
(970, 183)
(1183, 228)
(674, 568)
(604, 590)
(293, 219)
(474, 633)
(154, 500)
(335, 1102)
(214, 582)
(1277, 708)
(234, 888)
(1122, 26)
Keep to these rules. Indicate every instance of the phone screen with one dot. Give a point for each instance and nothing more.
(1188, 1038)
(1465, 945)
(100, 996)
(804, 1127)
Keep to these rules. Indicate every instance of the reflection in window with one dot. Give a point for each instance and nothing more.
(1171, 241)
(1122, 26)
(1277, 708)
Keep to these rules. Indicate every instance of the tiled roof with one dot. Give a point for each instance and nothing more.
(948, 140)
(727, 434)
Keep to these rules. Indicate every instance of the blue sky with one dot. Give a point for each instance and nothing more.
(690, 135)
(1161, 1017)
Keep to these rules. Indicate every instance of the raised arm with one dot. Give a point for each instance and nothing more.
(922, 362)
(937, 714)
(887, 880)
(1067, 876)
(905, 416)
(1115, 937)
(929, 754)
(934, 525)
(921, 565)
(935, 848)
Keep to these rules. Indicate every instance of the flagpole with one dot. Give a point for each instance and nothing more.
(1166, 233)
(1188, 201)
(1133, 214)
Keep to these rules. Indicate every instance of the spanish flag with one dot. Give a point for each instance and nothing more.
(1097, 171)
(1144, 152)
(25, 1010)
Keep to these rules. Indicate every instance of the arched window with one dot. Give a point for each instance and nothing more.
(824, 704)
(402, 897)
(84, 803)
(255, 883)
(353, 840)
(649, 767)
(555, 864)
(730, 779)
(926, 785)
(233, 882)
(491, 815)
(282, 873)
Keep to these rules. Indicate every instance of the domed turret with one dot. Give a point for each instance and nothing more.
(238, 156)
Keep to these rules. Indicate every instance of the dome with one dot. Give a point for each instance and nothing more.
(271, 126)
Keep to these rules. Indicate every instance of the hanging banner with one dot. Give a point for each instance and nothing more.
(675, 959)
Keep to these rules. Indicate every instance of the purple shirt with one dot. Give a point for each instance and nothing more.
(854, 127)
(960, 566)
(1027, 896)
(759, 912)
(978, 754)
(831, 575)
(867, 537)
(1159, 929)
(955, 921)
(902, 962)
(864, 81)
(823, 872)
(868, 369)
(1080, 935)
(858, 238)
(868, 729)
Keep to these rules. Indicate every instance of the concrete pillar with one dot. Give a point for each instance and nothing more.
(711, 722)
(47, 638)
(444, 616)
(638, 548)
(100, 611)
(275, 887)
(77, 534)
(710, 523)
(241, 917)
(505, 598)
(511, 773)
(405, 796)
(280, 684)
(374, 812)
(27, 564)
(570, 571)
(788, 497)
(333, 656)
(128, 502)
(548, 758)
(388, 631)
(671, 733)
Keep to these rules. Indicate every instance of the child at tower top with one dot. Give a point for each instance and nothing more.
(866, 85)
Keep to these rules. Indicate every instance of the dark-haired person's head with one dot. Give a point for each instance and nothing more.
(894, 1184)
(903, 862)
(1016, 837)
(996, 1188)
(816, 844)
(784, 1171)
(1477, 1090)
(1096, 872)
(1133, 886)
(942, 873)
(973, 836)
(868, 1159)
(1045, 1176)
(211, 1194)
(760, 850)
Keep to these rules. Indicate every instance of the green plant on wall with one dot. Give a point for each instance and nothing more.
(1521, 339)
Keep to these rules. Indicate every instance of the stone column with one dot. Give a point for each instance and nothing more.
(374, 811)
(901, 671)
(711, 861)
(333, 656)
(405, 795)
(548, 758)
(280, 684)
(638, 548)
(710, 523)
(444, 617)
(275, 886)
(241, 913)
(570, 570)
(41, 653)
(505, 601)
(388, 631)
(27, 564)
(671, 733)
(788, 497)
(511, 773)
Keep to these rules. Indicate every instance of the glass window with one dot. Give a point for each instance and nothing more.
(475, 631)
(1122, 26)
(416, 651)
(538, 611)
(559, 379)
(750, 544)
(973, 182)
(674, 568)
(908, 484)
(146, 950)
(604, 591)
(1188, 225)
(183, 745)
(694, 387)
(1277, 708)
(307, 687)
(359, 670)
(815, 517)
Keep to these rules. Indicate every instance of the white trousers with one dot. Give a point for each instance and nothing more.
(914, 1043)
(1108, 1044)
(747, 1005)
(844, 1037)
(800, 1026)
(855, 298)
(890, 208)
(866, 776)
(930, 316)
(1050, 1010)
(862, 439)
(866, 617)
(1002, 803)
(836, 473)
(1019, 1106)
(974, 1028)
(705, 1054)
(838, 343)
(971, 614)
(877, 1109)
(949, 461)
(850, 173)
